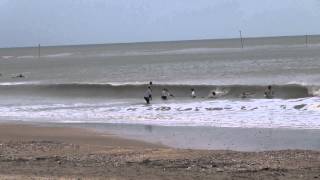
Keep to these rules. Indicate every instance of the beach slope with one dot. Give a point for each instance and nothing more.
(34, 152)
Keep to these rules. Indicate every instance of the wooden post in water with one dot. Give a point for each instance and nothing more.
(306, 40)
(241, 39)
(39, 50)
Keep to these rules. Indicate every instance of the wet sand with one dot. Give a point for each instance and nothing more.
(80, 136)
(42, 152)
(215, 138)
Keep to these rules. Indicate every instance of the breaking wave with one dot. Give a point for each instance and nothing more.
(136, 90)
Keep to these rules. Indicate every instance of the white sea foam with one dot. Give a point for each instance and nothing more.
(19, 83)
(199, 50)
(6, 57)
(58, 55)
(263, 113)
(26, 57)
(315, 91)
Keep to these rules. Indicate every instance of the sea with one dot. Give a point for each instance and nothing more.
(105, 83)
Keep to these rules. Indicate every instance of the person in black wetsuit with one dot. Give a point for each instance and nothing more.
(268, 93)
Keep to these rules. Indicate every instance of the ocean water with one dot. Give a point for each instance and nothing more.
(106, 83)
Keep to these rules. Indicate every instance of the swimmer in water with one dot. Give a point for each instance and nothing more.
(169, 94)
(246, 95)
(213, 95)
(19, 76)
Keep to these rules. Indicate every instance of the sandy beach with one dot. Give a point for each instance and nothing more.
(40, 152)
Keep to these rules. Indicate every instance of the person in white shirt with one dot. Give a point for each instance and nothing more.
(193, 93)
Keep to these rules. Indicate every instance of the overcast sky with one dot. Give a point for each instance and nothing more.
(55, 22)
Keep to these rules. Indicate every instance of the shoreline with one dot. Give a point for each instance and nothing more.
(213, 138)
(197, 137)
(21, 132)
(43, 151)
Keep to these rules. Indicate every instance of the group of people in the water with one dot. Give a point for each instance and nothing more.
(165, 94)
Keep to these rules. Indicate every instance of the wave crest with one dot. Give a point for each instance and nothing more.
(136, 90)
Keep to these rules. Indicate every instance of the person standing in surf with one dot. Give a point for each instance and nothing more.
(148, 95)
(193, 93)
(269, 92)
(164, 94)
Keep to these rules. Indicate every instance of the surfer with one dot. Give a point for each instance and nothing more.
(268, 93)
(193, 93)
(213, 95)
(148, 95)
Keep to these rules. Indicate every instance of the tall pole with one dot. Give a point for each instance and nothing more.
(306, 40)
(39, 50)
(241, 39)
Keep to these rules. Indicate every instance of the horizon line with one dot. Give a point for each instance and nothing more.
(160, 41)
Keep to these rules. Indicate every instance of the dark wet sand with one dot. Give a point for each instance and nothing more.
(33, 152)
(215, 138)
